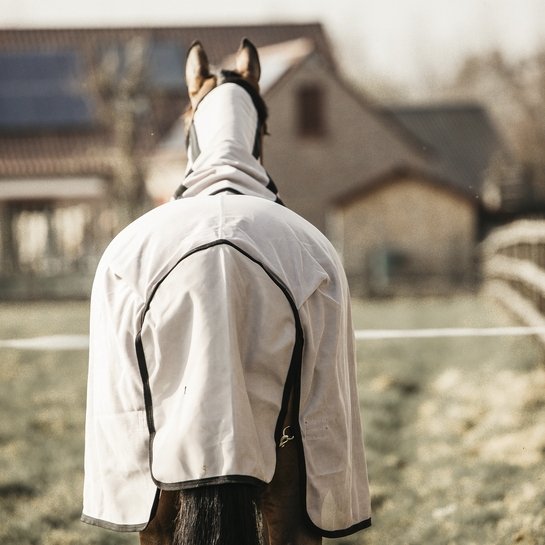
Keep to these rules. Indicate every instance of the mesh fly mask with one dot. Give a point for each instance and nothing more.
(227, 125)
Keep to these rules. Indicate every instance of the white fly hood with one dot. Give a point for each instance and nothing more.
(225, 126)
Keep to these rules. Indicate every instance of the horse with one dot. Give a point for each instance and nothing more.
(222, 406)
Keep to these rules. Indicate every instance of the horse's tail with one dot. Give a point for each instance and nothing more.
(226, 514)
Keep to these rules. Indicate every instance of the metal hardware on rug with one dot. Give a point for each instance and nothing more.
(285, 437)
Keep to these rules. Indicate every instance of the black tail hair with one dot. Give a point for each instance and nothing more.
(226, 514)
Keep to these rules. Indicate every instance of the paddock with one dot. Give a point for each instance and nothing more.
(452, 425)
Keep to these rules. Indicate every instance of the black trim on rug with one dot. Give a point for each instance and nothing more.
(292, 375)
(207, 481)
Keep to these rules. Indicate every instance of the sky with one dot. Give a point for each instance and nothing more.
(404, 41)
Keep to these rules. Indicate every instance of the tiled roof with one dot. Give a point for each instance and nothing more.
(218, 40)
(53, 154)
(461, 137)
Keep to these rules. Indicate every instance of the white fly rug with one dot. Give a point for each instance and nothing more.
(206, 314)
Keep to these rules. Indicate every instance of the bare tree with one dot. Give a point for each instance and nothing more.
(120, 78)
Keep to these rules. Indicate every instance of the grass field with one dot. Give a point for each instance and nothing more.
(42, 398)
(455, 429)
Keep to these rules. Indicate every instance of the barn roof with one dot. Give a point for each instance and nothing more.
(461, 137)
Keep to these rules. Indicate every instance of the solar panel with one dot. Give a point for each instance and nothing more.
(45, 111)
(59, 67)
(42, 89)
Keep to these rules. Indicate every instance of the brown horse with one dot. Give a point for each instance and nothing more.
(233, 514)
(222, 402)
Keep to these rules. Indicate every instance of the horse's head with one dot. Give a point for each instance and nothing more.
(224, 105)
(200, 80)
(225, 125)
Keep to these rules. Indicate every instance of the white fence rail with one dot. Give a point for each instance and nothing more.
(81, 342)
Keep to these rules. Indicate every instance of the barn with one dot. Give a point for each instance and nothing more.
(409, 230)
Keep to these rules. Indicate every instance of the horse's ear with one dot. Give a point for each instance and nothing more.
(247, 61)
(197, 68)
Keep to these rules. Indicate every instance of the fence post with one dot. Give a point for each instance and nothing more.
(514, 258)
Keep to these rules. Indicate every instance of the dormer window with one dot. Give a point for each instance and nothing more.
(311, 112)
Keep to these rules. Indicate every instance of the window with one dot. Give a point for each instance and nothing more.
(311, 112)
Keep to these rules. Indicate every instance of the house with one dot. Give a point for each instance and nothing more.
(401, 192)
(81, 111)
